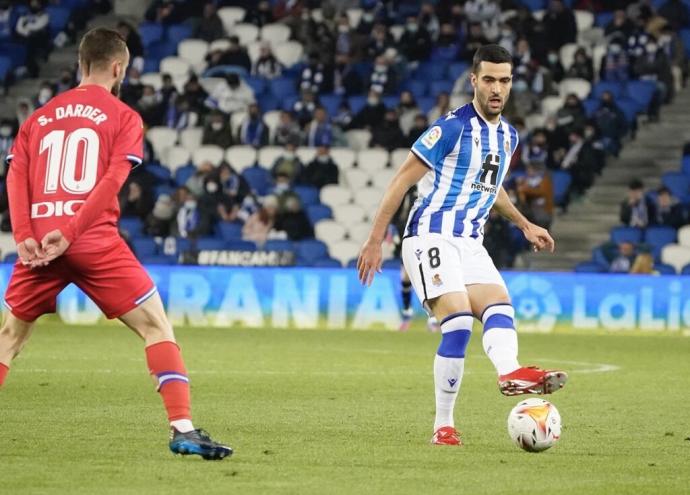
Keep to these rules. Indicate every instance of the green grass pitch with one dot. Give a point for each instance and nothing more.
(329, 412)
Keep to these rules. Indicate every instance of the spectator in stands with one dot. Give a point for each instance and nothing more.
(286, 10)
(475, 39)
(45, 93)
(486, 13)
(319, 132)
(168, 91)
(210, 26)
(196, 183)
(149, 106)
(190, 221)
(132, 89)
(195, 94)
(407, 111)
(65, 82)
(343, 119)
(559, 25)
(267, 65)
(621, 257)
(344, 41)
(418, 127)
(293, 220)
(304, 108)
(7, 20)
(535, 194)
(415, 42)
(382, 77)
(233, 185)
(379, 41)
(553, 65)
(321, 170)
(523, 99)
(259, 225)
(259, 14)
(217, 130)
(371, 115)
(536, 150)
(611, 123)
(638, 39)
(428, 19)
(235, 54)
(582, 66)
(165, 12)
(637, 210)
(498, 241)
(672, 45)
(158, 223)
(581, 160)
(317, 37)
(233, 95)
(135, 201)
(287, 167)
(620, 26)
(313, 77)
(667, 211)
(287, 130)
(644, 264)
(32, 30)
(24, 109)
(572, 114)
(442, 107)
(615, 66)
(654, 66)
(253, 130)
(676, 13)
(388, 134)
(7, 133)
(134, 44)
(448, 36)
(181, 116)
(346, 80)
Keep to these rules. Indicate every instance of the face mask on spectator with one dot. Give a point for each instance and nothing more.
(148, 100)
(372, 101)
(651, 48)
(5, 131)
(323, 158)
(614, 49)
(44, 95)
(190, 204)
(412, 27)
(216, 126)
(520, 86)
(553, 58)
(289, 155)
(368, 17)
(343, 29)
(380, 68)
(211, 187)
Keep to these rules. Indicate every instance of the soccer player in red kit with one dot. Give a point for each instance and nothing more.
(68, 163)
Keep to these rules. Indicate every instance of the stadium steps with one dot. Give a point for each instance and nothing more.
(656, 149)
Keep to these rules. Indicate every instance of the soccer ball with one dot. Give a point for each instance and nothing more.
(534, 425)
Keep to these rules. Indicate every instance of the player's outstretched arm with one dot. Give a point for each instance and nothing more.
(370, 257)
(538, 236)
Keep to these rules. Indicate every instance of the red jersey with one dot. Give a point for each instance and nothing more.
(67, 165)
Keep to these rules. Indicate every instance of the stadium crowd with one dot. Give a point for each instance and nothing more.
(379, 69)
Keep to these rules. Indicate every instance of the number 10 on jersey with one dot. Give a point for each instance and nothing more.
(62, 166)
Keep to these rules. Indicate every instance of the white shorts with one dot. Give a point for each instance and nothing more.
(438, 265)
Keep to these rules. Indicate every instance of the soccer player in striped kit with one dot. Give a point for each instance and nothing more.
(459, 164)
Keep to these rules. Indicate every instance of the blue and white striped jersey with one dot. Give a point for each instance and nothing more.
(468, 159)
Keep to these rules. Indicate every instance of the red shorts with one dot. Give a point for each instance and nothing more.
(114, 279)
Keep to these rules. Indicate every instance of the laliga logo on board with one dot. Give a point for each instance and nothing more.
(537, 306)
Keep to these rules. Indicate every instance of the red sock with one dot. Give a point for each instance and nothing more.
(4, 369)
(166, 365)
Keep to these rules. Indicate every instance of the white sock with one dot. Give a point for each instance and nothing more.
(447, 379)
(182, 425)
(449, 364)
(500, 338)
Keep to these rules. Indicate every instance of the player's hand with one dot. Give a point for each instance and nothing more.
(539, 237)
(369, 261)
(30, 252)
(54, 244)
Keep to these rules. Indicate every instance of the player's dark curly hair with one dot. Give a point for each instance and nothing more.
(99, 47)
(495, 54)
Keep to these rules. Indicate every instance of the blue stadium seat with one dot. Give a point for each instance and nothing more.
(159, 259)
(230, 231)
(685, 270)
(430, 71)
(356, 103)
(58, 19)
(437, 87)
(685, 36)
(133, 226)
(679, 184)
(561, 186)
(426, 103)
(224, 70)
(658, 237)
(615, 88)
(268, 102)
(259, 179)
(288, 102)
(161, 49)
(311, 250)
(391, 101)
(457, 69)
(591, 105)
(590, 267)
(352, 263)
(5, 67)
(163, 189)
(327, 263)
(444, 54)
(685, 165)
(181, 245)
(626, 234)
(144, 246)
(178, 32)
(309, 195)
(183, 174)
(162, 174)
(534, 4)
(240, 245)
(630, 108)
(318, 212)
(257, 84)
(150, 32)
(641, 91)
(279, 245)
(417, 87)
(598, 256)
(12, 258)
(602, 19)
(282, 87)
(210, 243)
(15, 51)
(665, 269)
(330, 102)
(393, 263)
(151, 65)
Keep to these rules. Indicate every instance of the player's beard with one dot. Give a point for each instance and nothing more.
(490, 111)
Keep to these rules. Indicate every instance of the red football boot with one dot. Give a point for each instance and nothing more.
(446, 435)
(532, 380)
